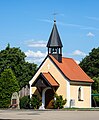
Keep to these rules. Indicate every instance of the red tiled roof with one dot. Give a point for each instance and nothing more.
(50, 79)
(72, 70)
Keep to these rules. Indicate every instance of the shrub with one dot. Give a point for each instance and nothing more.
(25, 102)
(35, 102)
(59, 102)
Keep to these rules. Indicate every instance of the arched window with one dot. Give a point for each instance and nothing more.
(80, 94)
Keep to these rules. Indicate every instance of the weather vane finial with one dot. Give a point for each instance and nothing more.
(54, 14)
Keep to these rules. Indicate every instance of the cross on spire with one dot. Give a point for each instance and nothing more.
(54, 14)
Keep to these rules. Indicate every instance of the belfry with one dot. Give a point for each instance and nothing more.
(54, 44)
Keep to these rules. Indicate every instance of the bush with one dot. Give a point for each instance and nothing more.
(59, 102)
(25, 102)
(35, 102)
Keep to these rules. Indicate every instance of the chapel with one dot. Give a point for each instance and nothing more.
(62, 76)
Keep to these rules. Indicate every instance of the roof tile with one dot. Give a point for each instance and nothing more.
(50, 79)
(72, 70)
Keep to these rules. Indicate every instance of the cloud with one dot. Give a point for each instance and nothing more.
(78, 53)
(90, 28)
(71, 25)
(37, 54)
(34, 60)
(77, 61)
(46, 20)
(61, 23)
(90, 34)
(35, 57)
(35, 43)
(93, 18)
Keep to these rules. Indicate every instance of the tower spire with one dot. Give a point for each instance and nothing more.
(54, 44)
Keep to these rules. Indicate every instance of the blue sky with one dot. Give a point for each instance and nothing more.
(27, 24)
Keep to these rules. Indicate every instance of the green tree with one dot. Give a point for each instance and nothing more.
(8, 85)
(95, 85)
(95, 88)
(90, 64)
(14, 58)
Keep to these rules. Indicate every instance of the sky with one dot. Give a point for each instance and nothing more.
(27, 24)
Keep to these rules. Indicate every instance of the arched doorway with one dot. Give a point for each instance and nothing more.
(49, 97)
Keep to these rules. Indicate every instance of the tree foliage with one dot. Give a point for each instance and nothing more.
(8, 85)
(90, 64)
(96, 85)
(14, 58)
(95, 88)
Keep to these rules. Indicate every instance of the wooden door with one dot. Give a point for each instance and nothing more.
(49, 96)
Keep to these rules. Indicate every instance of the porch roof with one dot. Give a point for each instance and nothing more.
(48, 80)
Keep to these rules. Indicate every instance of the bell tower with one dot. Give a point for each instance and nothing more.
(54, 44)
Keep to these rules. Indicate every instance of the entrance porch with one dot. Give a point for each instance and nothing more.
(46, 86)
